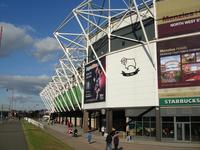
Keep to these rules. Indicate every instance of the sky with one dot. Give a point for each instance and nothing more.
(28, 51)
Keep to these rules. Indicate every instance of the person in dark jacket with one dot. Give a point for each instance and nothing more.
(109, 142)
(75, 132)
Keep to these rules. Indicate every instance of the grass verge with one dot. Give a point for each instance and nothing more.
(37, 139)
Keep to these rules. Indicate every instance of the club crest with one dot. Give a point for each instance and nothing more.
(130, 66)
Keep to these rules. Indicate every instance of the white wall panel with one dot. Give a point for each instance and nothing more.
(132, 91)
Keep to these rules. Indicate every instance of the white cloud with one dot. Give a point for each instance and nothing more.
(25, 90)
(45, 49)
(14, 38)
(27, 85)
(21, 98)
(18, 38)
(47, 44)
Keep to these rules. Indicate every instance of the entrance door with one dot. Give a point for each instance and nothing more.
(183, 131)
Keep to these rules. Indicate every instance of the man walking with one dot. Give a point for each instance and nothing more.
(109, 142)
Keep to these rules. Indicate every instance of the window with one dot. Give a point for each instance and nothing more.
(168, 130)
(195, 131)
(195, 119)
(182, 119)
(168, 127)
(167, 119)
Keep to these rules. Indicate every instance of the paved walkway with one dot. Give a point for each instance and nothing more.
(80, 143)
(12, 136)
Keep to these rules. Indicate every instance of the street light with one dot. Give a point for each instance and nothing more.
(2, 112)
(12, 99)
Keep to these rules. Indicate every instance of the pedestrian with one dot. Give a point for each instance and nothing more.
(89, 137)
(109, 142)
(116, 141)
(75, 132)
(102, 130)
(128, 137)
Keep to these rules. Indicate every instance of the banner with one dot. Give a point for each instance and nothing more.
(95, 82)
(179, 62)
(175, 17)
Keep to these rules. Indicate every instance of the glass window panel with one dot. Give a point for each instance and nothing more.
(146, 128)
(187, 131)
(139, 128)
(195, 131)
(146, 118)
(153, 118)
(153, 128)
(182, 119)
(167, 119)
(195, 119)
(139, 119)
(168, 130)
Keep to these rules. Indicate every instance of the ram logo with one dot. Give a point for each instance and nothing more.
(130, 66)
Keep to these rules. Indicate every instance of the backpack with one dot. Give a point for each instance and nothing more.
(109, 139)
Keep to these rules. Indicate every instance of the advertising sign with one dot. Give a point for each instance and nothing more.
(180, 101)
(95, 82)
(179, 62)
(175, 17)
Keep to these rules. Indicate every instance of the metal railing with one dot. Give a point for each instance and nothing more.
(36, 123)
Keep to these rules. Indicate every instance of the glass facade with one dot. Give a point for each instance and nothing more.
(145, 126)
(181, 128)
(179, 124)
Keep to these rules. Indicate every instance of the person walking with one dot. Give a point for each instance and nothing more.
(102, 130)
(89, 137)
(116, 141)
(109, 142)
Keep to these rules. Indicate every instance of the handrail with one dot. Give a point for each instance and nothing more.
(36, 123)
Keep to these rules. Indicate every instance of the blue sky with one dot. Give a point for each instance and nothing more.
(27, 58)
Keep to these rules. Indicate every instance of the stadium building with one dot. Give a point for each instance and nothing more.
(132, 66)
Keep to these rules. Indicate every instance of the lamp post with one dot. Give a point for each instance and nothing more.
(2, 112)
(11, 108)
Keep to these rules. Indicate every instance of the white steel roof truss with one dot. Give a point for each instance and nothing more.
(47, 101)
(65, 90)
(51, 99)
(44, 101)
(53, 103)
(54, 95)
(65, 50)
(145, 35)
(90, 44)
(63, 65)
(56, 84)
(71, 87)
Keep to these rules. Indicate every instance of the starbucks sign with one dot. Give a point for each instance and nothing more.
(180, 101)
